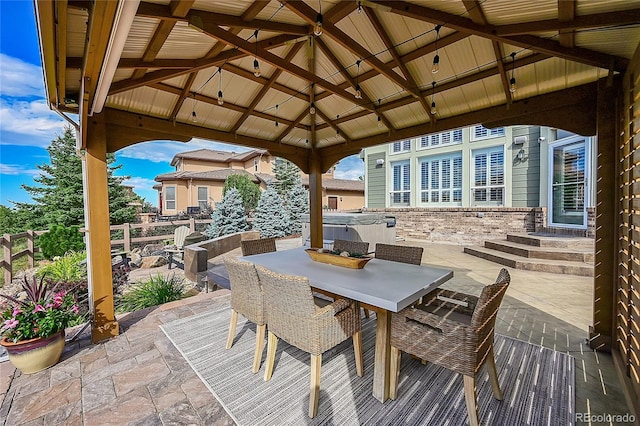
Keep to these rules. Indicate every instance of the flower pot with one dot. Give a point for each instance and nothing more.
(33, 355)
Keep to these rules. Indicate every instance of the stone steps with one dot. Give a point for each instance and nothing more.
(544, 253)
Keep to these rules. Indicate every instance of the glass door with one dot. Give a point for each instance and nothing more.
(569, 167)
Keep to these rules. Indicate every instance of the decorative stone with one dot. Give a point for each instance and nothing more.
(152, 262)
(152, 249)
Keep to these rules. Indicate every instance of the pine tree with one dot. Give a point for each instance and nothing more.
(58, 196)
(286, 174)
(272, 220)
(297, 205)
(229, 216)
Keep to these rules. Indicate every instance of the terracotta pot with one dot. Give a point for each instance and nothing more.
(33, 355)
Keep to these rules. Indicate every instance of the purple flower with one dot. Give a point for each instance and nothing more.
(39, 308)
(75, 309)
(57, 301)
(11, 323)
(16, 311)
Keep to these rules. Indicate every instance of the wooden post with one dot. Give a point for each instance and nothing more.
(315, 200)
(127, 237)
(192, 224)
(6, 249)
(96, 201)
(30, 247)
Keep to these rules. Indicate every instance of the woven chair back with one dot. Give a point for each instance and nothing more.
(357, 247)
(247, 297)
(395, 253)
(262, 245)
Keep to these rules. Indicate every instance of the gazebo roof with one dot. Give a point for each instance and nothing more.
(159, 66)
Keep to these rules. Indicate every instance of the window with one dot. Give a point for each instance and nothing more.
(401, 146)
(441, 180)
(203, 197)
(488, 177)
(445, 138)
(170, 198)
(401, 193)
(481, 132)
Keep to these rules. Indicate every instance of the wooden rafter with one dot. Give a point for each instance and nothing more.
(331, 123)
(340, 11)
(384, 36)
(157, 11)
(336, 63)
(474, 8)
(263, 80)
(567, 13)
(292, 125)
(330, 30)
(265, 88)
(225, 56)
(537, 44)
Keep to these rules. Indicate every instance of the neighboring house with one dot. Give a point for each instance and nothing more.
(466, 172)
(197, 183)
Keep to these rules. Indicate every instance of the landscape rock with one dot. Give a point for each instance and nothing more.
(152, 262)
(135, 259)
(152, 250)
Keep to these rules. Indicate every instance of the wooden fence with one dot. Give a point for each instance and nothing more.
(126, 243)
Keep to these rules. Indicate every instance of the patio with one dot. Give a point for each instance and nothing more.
(139, 377)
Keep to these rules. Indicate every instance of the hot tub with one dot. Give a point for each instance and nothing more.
(370, 227)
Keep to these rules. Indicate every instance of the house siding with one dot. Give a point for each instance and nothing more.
(525, 183)
(376, 181)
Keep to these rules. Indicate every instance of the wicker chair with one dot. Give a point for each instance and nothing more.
(262, 245)
(296, 317)
(359, 247)
(457, 335)
(247, 299)
(404, 254)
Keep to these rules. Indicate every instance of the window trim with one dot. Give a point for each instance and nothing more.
(439, 157)
(488, 186)
(420, 147)
(174, 200)
(198, 200)
(402, 143)
(474, 138)
(392, 191)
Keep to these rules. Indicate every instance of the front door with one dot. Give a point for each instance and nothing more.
(333, 203)
(569, 160)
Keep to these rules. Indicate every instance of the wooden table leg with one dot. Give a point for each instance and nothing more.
(382, 357)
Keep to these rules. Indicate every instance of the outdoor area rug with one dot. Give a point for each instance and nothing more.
(538, 383)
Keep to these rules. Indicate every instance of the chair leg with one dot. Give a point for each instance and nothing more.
(366, 312)
(272, 344)
(232, 328)
(257, 356)
(357, 352)
(314, 390)
(470, 399)
(493, 375)
(394, 371)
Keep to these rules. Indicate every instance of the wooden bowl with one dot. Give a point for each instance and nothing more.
(334, 259)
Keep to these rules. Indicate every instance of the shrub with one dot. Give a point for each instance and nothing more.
(155, 291)
(228, 217)
(271, 218)
(249, 191)
(59, 240)
(69, 267)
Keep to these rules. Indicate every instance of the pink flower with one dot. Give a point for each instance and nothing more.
(75, 309)
(57, 301)
(16, 311)
(39, 308)
(11, 323)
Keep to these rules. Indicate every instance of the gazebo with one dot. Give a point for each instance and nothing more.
(314, 81)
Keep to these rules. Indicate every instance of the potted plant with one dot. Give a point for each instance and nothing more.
(33, 329)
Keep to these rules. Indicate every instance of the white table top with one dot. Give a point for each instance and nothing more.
(389, 285)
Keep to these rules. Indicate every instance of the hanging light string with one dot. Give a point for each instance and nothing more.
(512, 81)
(256, 64)
(436, 59)
(358, 90)
(317, 29)
(433, 98)
(194, 116)
(220, 98)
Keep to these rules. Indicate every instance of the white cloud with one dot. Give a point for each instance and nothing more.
(33, 119)
(15, 169)
(164, 151)
(350, 168)
(140, 183)
(19, 78)
(351, 174)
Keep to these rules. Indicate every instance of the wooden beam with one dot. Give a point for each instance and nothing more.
(158, 11)
(200, 64)
(309, 15)
(177, 106)
(263, 80)
(278, 62)
(549, 47)
(333, 125)
(567, 13)
(292, 125)
(340, 11)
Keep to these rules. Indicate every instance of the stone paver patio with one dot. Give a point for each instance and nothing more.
(139, 378)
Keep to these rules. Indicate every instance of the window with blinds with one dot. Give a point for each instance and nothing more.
(481, 132)
(401, 193)
(203, 197)
(488, 177)
(401, 146)
(440, 139)
(170, 198)
(441, 180)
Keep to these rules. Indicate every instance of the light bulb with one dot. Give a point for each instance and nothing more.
(194, 117)
(433, 108)
(436, 64)
(312, 108)
(379, 121)
(359, 7)
(276, 123)
(220, 99)
(512, 85)
(358, 92)
(317, 29)
(256, 68)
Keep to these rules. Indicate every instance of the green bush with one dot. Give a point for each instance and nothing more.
(155, 291)
(59, 240)
(69, 267)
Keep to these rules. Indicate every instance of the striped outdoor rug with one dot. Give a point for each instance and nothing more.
(538, 383)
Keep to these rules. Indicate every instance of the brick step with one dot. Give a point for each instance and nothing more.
(541, 265)
(551, 240)
(533, 252)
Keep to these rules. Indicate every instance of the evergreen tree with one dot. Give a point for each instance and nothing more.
(286, 174)
(297, 205)
(58, 196)
(249, 191)
(229, 216)
(271, 219)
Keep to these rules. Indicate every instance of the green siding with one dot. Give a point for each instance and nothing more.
(525, 180)
(377, 178)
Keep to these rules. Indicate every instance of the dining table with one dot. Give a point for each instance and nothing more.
(382, 286)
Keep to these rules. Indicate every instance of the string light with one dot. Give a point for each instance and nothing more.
(379, 117)
(359, 7)
(312, 108)
(276, 123)
(433, 98)
(256, 65)
(220, 98)
(512, 81)
(358, 90)
(317, 29)
(194, 117)
(436, 59)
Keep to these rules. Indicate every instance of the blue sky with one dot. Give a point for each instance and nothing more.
(27, 125)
